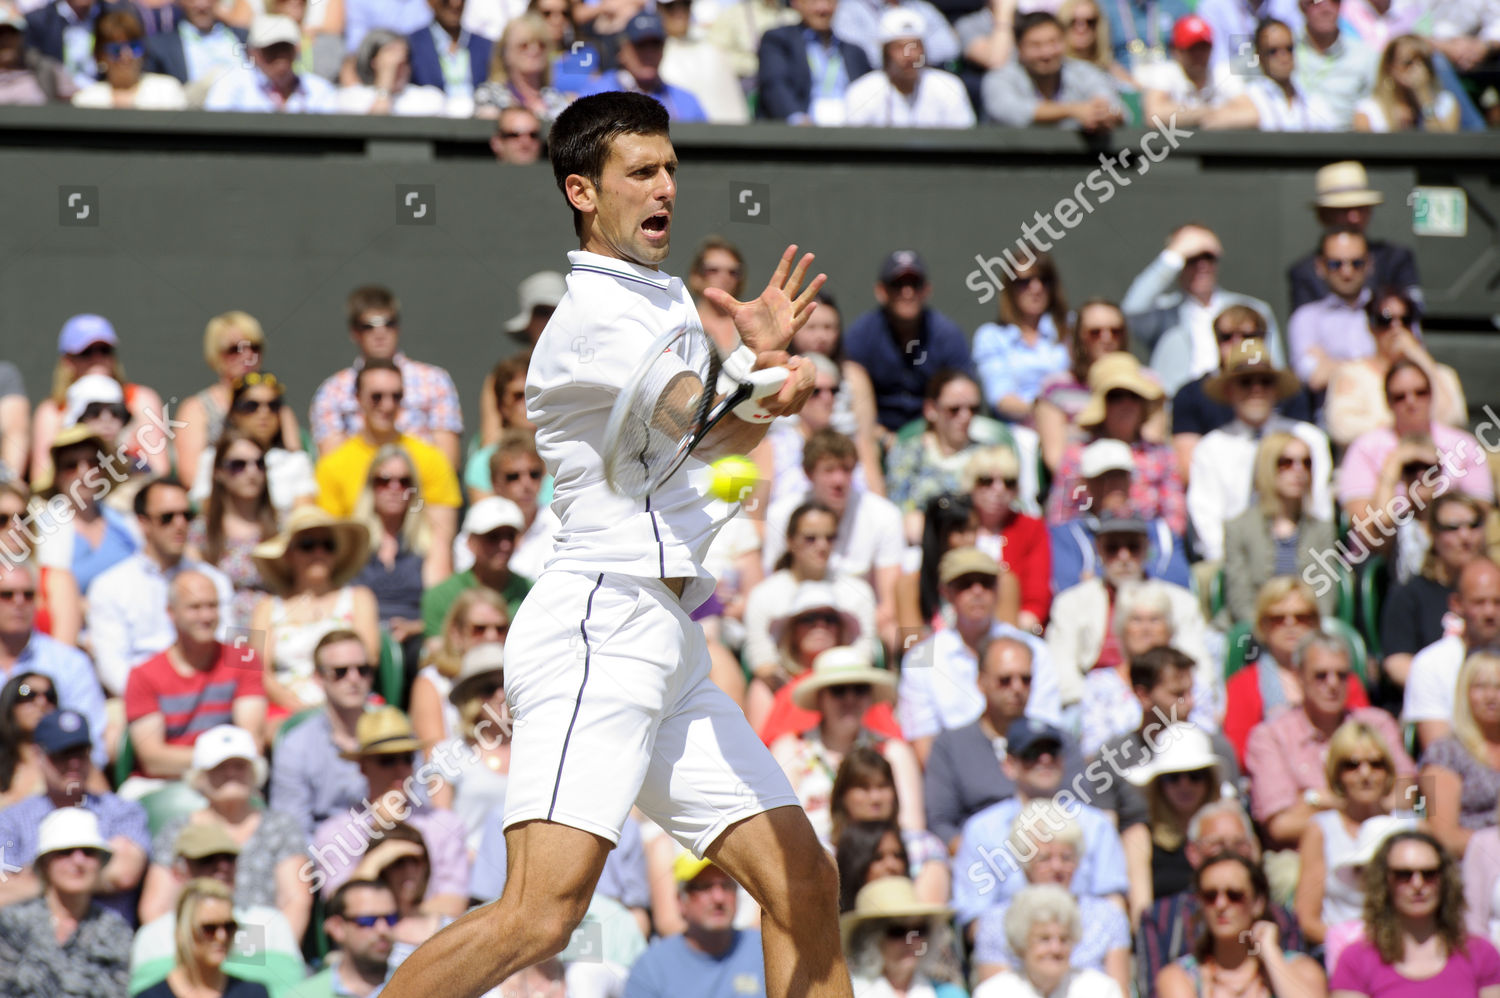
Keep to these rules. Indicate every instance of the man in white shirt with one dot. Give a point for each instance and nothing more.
(1223, 470)
(905, 92)
(939, 688)
(1188, 85)
(1432, 684)
(1332, 63)
(272, 82)
(127, 618)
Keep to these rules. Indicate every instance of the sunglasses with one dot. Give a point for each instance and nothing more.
(1448, 528)
(243, 346)
(1257, 381)
(728, 271)
(1308, 619)
(1406, 874)
(1415, 393)
(6, 519)
(1201, 258)
(1121, 395)
(170, 516)
(370, 921)
(25, 693)
(826, 618)
(1196, 776)
(249, 407)
(1013, 680)
(1099, 332)
(1415, 469)
(1034, 753)
(985, 481)
(1028, 281)
(534, 135)
(215, 859)
(379, 398)
(966, 582)
(1340, 676)
(1352, 765)
(1235, 334)
(826, 391)
(208, 930)
(1384, 320)
(484, 630)
(17, 595)
(307, 545)
(1233, 895)
(95, 350)
(1087, 22)
(511, 477)
(487, 690)
(338, 672)
(387, 481)
(905, 932)
(953, 411)
(852, 690)
(500, 535)
(117, 50)
(71, 462)
(380, 322)
(240, 465)
(1114, 545)
(94, 410)
(1283, 463)
(389, 760)
(1333, 263)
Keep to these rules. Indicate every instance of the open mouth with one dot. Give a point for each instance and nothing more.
(656, 226)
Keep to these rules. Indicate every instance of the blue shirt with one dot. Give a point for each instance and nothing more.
(900, 374)
(73, 678)
(623, 877)
(117, 817)
(309, 780)
(404, 17)
(208, 52)
(1009, 366)
(681, 105)
(119, 542)
(1074, 554)
(986, 872)
(673, 969)
(830, 77)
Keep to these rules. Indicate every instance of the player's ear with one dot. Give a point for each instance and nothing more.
(581, 192)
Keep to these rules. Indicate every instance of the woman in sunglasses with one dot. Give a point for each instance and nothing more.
(1407, 96)
(257, 408)
(309, 570)
(1181, 777)
(234, 345)
(206, 931)
(948, 523)
(26, 698)
(1355, 403)
(1415, 941)
(403, 559)
(1016, 539)
(1460, 774)
(897, 944)
(1086, 37)
(478, 616)
(854, 401)
(87, 345)
(1238, 952)
(1279, 535)
(120, 49)
(59, 605)
(237, 517)
(1016, 354)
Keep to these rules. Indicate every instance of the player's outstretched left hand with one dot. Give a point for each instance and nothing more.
(769, 322)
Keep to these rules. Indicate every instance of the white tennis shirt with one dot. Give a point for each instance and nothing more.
(613, 312)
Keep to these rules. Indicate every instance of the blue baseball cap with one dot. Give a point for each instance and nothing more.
(1025, 733)
(644, 27)
(60, 731)
(79, 332)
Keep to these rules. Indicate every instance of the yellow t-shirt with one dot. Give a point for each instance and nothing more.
(342, 473)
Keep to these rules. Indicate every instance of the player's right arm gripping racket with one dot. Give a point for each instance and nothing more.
(665, 411)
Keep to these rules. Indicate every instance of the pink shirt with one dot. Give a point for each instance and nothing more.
(1285, 755)
(1463, 460)
(1361, 971)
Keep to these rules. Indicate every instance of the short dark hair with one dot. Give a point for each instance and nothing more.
(1026, 22)
(377, 364)
(945, 377)
(1340, 230)
(154, 482)
(1147, 669)
(1380, 297)
(338, 904)
(827, 443)
(584, 133)
(1266, 24)
(333, 637)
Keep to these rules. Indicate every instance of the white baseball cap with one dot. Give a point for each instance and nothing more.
(492, 513)
(1105, 455)
(220, 744)
(273, 29)
(88, 389)
(898, 23)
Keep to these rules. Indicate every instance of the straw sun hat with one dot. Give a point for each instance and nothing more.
(351, 549)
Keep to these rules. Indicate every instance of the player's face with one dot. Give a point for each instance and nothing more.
(633, 202)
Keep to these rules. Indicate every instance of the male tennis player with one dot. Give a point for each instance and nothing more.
(607, 676)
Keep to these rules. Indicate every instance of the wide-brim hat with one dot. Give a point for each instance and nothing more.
(1117, 370)
(478, 662)
(351, 548)
(384, 731)
(815, 596)
(1250, 357)
(1344, 185)
(67, 828)
(888, 897)
(843, 667)
(221, 743)
(1183, 749)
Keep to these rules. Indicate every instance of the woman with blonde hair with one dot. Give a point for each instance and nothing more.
(521, 73)
(403, 560)
(1086, 37)
(1277, 536)
(991, 478)
(478, 616)
(59, 604)
(1460, 774)
(1407, 96)
(205, 933)
(234, 345)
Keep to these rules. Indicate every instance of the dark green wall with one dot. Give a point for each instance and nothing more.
(200, 213)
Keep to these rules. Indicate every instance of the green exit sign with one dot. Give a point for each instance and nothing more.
(1439, 211)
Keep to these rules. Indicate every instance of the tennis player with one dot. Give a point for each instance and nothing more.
(607, 676)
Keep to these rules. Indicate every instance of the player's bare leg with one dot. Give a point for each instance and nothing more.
(776, 856)
(551, 871)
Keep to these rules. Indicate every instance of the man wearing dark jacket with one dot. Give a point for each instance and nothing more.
(445, 56)
(1344, 199)
(788, 57)
(199, 46)
(64, 30)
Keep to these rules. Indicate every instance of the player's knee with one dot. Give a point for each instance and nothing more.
(552, 930)
(812, 883)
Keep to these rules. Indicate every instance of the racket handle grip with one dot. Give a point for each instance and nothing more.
(767, 381)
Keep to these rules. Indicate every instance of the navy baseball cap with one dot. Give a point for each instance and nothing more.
(1024, 733)
(902, 263)
(645, 27)
(60, 731)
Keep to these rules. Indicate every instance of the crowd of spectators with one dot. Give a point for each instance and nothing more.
(1282, 65)
(1200, 652)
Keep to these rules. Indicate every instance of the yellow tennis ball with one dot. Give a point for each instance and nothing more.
(733, 478)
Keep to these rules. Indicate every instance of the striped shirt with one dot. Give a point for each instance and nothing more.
(190, 705)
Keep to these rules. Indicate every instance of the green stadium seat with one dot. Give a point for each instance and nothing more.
(392, 676)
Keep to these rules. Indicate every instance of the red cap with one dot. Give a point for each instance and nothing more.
(1191, 30)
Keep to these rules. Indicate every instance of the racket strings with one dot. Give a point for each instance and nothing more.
(667, 405)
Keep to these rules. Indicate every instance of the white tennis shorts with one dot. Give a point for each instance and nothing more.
(608, 682)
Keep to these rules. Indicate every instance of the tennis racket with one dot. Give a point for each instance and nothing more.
(669, 405)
